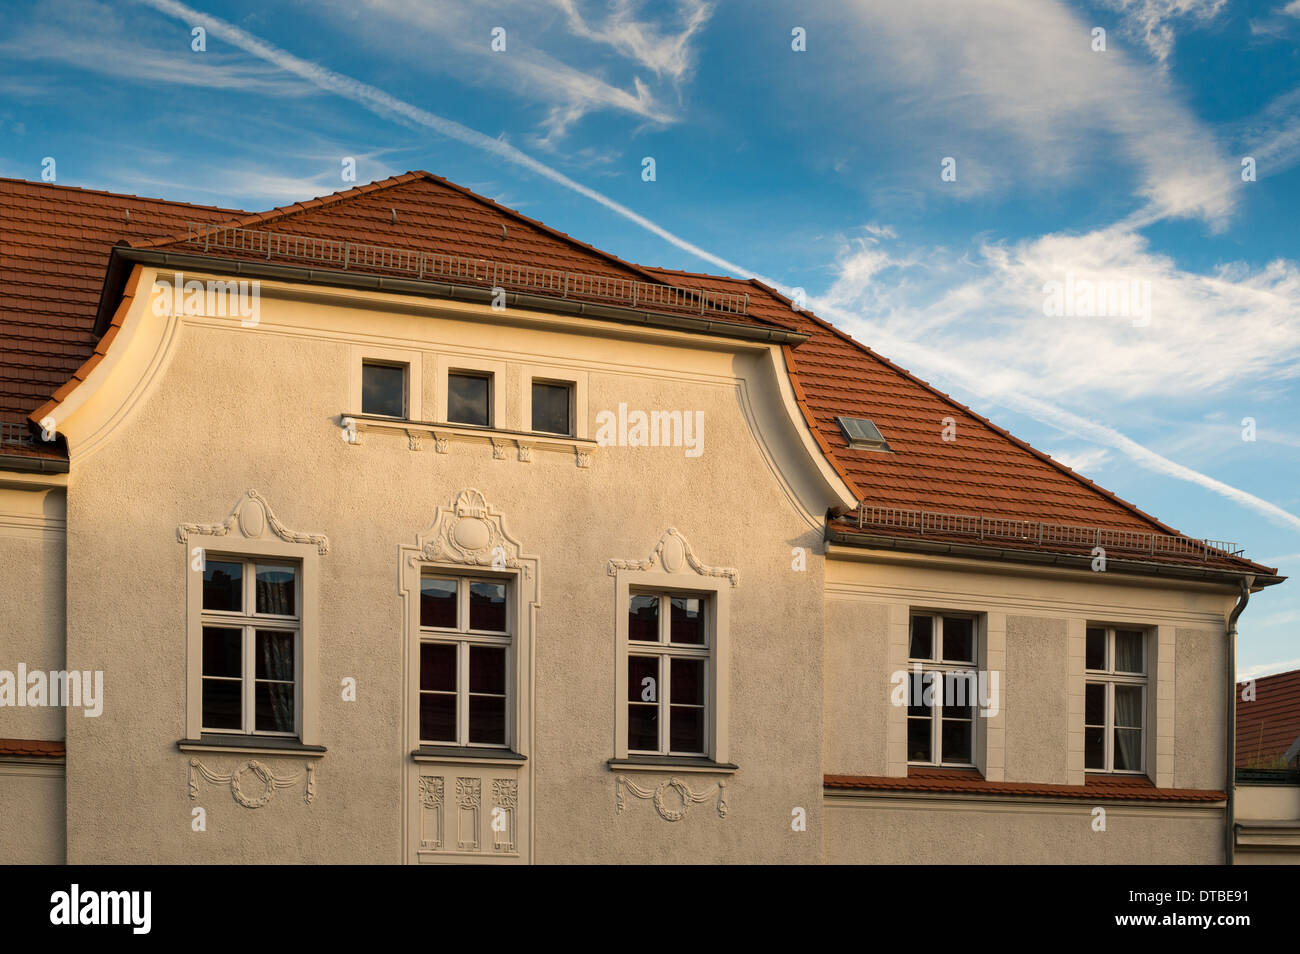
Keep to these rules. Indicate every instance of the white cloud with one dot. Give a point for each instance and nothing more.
(1267, 669)
(1292, 8)
(1013, 90)
(1084, 460)
(1152, 20)
(667, 52)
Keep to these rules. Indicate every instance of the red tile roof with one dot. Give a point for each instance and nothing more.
(969, 782)
(1269, 726)
(32, 747)
(985, 471)
(54, 243)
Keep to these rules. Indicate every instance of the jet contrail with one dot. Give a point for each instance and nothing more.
(390, 106)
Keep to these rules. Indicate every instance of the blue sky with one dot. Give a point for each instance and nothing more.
(817, 169)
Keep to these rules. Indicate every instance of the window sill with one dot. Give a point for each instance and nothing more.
(457, 753)
(251, 745)
(670, 763)
(500, 438)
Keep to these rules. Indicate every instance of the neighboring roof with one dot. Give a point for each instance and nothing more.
(984, 471)
(1268, 728)
(32, 747)
(968, 782)
(54, 243)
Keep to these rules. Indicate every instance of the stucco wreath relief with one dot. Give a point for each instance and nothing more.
(252, 783)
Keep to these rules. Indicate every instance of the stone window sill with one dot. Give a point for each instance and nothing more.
(251, 745)
(670, 763)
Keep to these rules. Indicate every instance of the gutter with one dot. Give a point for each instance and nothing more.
(37, 465)
(430, 289)
(1230, 818)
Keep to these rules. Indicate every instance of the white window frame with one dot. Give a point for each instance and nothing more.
(494, 371)
(944, 667)
(577, 383)
(412, 361)
(1110, 678)
(462, 637)
(716, 591)
(250, 552)
(663, 652)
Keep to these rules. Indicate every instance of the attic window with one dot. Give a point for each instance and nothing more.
(862, 433)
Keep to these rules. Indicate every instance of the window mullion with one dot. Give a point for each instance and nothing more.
(462, 692)
(665, 688)
(247, 682)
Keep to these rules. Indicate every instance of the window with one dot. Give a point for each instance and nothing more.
(862, 434)
(551, 406)
(465, 662)
(1114, 701)
(941, 729)
(252, 639)
(383, 389)
(667, 674)
(469, 399)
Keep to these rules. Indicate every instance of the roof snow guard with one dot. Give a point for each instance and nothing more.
(550, 282)
(1036, 534)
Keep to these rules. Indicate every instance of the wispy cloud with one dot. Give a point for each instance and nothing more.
(1084, 460)
(1266, 669)
(1153, 20)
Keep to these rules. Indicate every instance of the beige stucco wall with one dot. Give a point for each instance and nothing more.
(31, 812)
(226, 409)
(1037, 709)
(1200, 662)
(901, 830)
(32, 594)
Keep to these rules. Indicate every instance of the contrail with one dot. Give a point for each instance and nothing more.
(390, 106)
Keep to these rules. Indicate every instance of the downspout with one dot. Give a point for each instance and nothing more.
(1230, 834)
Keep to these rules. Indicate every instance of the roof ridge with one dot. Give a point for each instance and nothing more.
(117, 195)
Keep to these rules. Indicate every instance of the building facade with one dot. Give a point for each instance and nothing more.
(394, 526)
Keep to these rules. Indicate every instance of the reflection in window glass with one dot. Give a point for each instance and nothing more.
(276, 590)
(383, 389)
(551, 408)
(469, 399)
(223, 586)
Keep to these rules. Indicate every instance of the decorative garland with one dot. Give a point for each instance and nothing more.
(687, 796)
(270, 781)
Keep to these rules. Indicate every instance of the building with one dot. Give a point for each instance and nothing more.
(1268, 770)
(400, 527)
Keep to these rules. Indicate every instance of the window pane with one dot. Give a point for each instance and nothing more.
(1128, 749)
(467, 399)
(687, 682)
(276, 593)
(687, 621)
(438, 603)
(223, 586)
(918, 740)
(1094, 748)
(273, 706)
(222, 704)
(916, 686)
(958, 639)
(956, 742)
(487, 720)
(1094, 704)
(383, 389)
(222, 652)
(551, 408)
(487, 607)
(686, 728)
(437, 667)
(273, 655)
(642, 727)
(643, 619)
(487, 670)
(639, 670)
(1129, 651)
(1095, 651)
(1128, 707)
(437, 717)
(922, 635)
(958, 691)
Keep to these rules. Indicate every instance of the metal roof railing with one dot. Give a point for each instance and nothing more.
(550, 282)
(929, 523)
(15, 433)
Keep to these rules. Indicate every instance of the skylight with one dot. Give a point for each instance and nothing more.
(862, 433)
